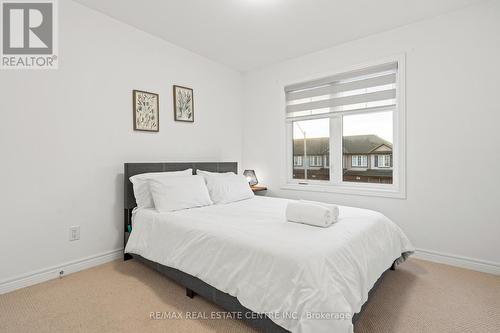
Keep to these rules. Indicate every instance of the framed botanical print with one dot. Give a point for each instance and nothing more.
(146, 111)
(183, 104)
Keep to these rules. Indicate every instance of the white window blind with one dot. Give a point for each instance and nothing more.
(365, 89)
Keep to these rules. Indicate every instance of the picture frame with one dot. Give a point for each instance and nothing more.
(183, 104)
(146, 109)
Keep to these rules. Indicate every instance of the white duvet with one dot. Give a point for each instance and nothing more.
(307, 279)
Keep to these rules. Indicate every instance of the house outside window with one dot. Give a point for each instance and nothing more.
(348, 130)
(367, 146)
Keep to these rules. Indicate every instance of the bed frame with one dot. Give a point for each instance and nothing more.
(193, 285)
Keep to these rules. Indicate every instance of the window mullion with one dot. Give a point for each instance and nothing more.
(289, 151)
(336, 149)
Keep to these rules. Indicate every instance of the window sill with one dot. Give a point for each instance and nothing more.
(358, 189)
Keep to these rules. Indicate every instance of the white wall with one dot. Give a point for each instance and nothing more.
(453, 114)
(65, 134)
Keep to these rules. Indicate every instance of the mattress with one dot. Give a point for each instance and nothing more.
(304, 278)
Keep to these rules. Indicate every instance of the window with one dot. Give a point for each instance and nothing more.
(359, 161)
(316, 161)
(368, 133)
(311, 142)
(346, 132)
(383, 161)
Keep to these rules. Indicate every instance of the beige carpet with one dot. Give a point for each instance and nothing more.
(119, 297)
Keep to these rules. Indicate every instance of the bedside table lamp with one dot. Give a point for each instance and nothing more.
(251, 177)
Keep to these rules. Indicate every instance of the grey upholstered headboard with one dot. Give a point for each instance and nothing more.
(132, 169)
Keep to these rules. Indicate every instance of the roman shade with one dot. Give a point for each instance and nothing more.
(364, 89)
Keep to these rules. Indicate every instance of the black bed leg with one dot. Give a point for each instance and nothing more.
(393, 267)
(127, 256)
(190, 293)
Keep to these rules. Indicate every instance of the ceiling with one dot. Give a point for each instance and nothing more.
(250, 34)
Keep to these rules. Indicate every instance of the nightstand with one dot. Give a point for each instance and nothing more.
(259, 190)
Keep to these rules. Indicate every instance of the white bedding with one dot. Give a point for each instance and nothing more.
(292, 272)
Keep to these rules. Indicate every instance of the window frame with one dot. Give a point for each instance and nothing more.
(336, 184)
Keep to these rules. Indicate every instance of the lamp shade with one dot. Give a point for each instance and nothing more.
(251, 177)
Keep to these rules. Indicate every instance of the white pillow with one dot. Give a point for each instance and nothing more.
(176, 193)
(227, 187)
(142, 193)
(208, 173)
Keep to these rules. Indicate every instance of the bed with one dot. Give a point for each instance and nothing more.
(245, 257)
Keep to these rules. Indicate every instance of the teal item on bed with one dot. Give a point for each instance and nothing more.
(129, 227)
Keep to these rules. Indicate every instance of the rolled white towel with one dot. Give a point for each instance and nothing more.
(313, 213)
(334, 208)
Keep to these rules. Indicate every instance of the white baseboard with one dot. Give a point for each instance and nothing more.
(50, 273)
(458, 261)
(29, 279)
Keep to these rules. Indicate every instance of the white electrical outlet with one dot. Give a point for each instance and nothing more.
(74, 233)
